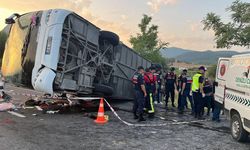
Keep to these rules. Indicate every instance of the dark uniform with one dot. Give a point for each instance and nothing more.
(179, 88)
(186, 93)
(170, 79)
(217, 108)
(208, 90)
(139, 101)
(150, 81)
(188, 89)
(158, 95)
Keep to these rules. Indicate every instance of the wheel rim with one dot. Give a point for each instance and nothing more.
(235, 128)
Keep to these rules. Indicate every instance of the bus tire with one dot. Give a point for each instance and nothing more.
(237, 130)
(110, 37)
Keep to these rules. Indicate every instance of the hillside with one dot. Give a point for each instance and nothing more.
(197, 57)
(206, 57)
(173, 52)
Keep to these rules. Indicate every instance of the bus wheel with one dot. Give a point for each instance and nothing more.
(237, 130)
(110, 37)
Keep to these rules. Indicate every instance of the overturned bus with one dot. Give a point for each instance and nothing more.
(58, 51)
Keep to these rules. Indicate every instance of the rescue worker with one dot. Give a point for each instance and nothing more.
(140, 93)
(189, 96)
(170, 86)
(159, 82)
(150, 83)
(197, 91)
(179, 90)
(208, 90)
(185, 89)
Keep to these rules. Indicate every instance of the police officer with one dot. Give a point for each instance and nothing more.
(208, 90)
(159, 82)
(185, 89)
(140, 93)
(170, 86)
(217, 107)
(179, 86)
(150, 83)
(197, 91)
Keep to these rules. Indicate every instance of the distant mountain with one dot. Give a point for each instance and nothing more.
(173, 52)
(206, 57)
(197, 57)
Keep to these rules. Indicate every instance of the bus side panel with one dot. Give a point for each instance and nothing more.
(127, 62)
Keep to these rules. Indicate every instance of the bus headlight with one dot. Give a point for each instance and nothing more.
(49, 45)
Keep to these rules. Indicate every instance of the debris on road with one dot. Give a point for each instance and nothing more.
(6, 106)
(16, 114)
(39, 108)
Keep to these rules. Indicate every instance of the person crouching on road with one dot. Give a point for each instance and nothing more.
(170, 86)
(150, 82)
(197, 92)
(140, 93)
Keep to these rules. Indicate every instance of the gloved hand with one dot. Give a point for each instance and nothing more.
(203, 95)
(190, 93)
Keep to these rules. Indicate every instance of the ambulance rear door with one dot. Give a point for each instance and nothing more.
(220, 81)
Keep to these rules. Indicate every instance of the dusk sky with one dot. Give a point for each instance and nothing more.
(179, 20)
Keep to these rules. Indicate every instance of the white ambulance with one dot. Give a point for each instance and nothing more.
(232, 91)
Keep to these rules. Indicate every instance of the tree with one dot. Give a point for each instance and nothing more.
(234, 33)
(211, 72)
(147, 43)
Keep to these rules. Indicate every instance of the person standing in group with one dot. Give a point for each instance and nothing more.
(150, 83)
(159, 83)
(197, 91)
(208, 90)
(185, 89)
(179, 86)
(217, 107)
(140, 93)
(170, 86)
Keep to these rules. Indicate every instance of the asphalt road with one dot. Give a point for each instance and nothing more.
(77, 131)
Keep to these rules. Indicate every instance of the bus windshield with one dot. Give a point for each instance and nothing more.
(16, 48)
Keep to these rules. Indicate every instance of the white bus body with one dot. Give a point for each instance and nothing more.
(58, 51)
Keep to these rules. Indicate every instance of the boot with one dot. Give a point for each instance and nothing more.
(136, 116)
(151, 115)
(141, 118)
(173, 105)
(180, 112)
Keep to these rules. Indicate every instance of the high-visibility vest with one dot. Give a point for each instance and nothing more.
(196, 84)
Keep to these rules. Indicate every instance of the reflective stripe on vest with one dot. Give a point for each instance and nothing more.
(195, 84)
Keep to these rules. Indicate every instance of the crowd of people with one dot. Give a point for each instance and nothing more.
(152, 87)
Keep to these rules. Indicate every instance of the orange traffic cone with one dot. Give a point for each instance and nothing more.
(100, 116)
